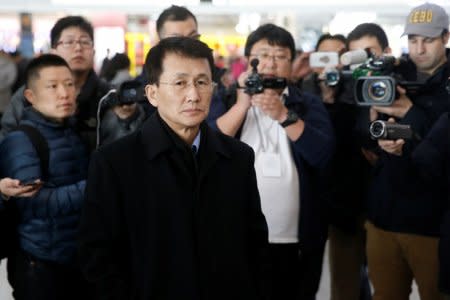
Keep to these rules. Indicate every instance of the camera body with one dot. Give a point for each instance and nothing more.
(129, 92)
(255, 83)
(389, 131)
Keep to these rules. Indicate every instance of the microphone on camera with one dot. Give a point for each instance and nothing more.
(254, 63)
(355, 57)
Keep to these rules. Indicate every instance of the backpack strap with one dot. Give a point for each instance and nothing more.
(40, 145)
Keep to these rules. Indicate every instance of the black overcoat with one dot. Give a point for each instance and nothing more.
(159, 223)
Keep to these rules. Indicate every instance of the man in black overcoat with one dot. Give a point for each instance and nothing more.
(172, 211)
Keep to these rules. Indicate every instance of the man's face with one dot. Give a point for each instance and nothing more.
(368, 42)
(187, 28)
(427, 53)
(273, 60)
(53, 93)
(76, 47)
(184, 92)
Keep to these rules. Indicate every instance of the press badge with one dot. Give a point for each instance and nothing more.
(271, 164)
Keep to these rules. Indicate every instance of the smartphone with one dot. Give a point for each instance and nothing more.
(323, 59)
(30, 182)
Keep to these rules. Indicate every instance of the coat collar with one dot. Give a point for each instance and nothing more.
(156, 140)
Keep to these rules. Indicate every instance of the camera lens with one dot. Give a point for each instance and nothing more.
(332, 78)
(377, 129)
(378, 90)
(131, 93)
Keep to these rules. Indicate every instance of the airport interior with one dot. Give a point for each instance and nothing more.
(129, 27)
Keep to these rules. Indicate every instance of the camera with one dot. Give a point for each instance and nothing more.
(332, 77)
(390, 131)
(323, 59)
(376, 83)
(129, 92)
(255, 83)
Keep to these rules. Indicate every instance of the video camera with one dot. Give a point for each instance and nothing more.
(373, 79)
(129, 92)
(255, 83)
(329, 61)
(390, 131)
(376, 82)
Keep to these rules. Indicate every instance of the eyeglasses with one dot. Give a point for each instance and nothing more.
(202, 85)
(69, 44)
(265, 57)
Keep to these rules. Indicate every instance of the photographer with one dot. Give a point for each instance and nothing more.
(344, 180)
(316, 82)
(292, 137)
(121, 112)
(404, 217)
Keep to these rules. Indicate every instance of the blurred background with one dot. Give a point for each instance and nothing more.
(129, 26)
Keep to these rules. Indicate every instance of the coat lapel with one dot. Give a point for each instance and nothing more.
(211, 149)
(154, 138)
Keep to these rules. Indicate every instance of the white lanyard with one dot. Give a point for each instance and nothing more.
(267, 133)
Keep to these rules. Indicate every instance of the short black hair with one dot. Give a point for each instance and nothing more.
(183, 46)
(70, 21)
(118, 62)
(274, 35)
(173, 13)
(371, 30)
(40, 62)
(328, 36)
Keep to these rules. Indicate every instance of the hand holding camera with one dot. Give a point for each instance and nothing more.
(397, 108)
(390, 130)
(255, 83)
(391, 136)
(264, 92)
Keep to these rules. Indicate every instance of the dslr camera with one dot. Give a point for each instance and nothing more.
(255, 83)
(390, 131)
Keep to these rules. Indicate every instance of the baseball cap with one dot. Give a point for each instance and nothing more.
(427, 20)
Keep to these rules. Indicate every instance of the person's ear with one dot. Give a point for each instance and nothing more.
(151, 92)
(29, 95)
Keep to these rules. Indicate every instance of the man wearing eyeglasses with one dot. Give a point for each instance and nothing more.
(180, 21)
(72, 38)
(291, 135)
(172, 211)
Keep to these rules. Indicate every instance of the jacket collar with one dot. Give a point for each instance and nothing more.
(156, 139)
(30, 114)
